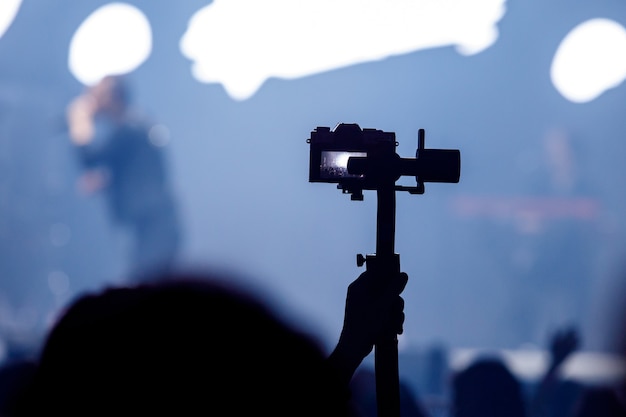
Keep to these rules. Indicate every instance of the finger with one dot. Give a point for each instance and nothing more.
(394, 286)
(400, 329)
(402, 280)
(398, 315)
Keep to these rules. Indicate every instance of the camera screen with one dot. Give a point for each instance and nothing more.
(334, 164)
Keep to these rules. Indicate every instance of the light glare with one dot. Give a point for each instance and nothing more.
(242, 43)
(8, 11)
(590, 60)
(114, 39)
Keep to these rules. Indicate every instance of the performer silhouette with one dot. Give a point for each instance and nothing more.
(123, 160)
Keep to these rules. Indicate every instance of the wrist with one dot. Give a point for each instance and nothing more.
(347, 356)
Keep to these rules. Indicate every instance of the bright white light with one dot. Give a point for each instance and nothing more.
(590, 60)
(8, 10)
(341, 158)
(114, 39)
(242, 43)
(531, 364)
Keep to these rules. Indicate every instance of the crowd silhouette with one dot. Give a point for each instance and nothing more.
(195, 343)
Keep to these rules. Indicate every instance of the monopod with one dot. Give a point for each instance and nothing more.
(365, 159)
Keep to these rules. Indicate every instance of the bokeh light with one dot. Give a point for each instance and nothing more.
(8, 11)
(590, 60)
(242, 43)
(114, 39)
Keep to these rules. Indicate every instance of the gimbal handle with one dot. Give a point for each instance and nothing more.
(386, 349)
(372, 164)
(384, 264)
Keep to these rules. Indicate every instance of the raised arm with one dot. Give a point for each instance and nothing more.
(373, 307)
(80, 118)
(562, 345)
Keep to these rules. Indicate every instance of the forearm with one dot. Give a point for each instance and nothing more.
(543, 392)
(80, 122)
(345, 359)
(372, 311)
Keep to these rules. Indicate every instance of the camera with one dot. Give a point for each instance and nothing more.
(332, 150)
(365, 159)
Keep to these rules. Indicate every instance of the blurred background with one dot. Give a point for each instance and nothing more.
(531, 239)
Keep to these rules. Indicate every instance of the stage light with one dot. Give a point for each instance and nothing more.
(8, 10)
(114, 39)
(590, 60)
(242, 43)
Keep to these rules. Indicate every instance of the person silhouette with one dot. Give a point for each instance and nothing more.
(194, 343)
(487, 388)
(123, 157)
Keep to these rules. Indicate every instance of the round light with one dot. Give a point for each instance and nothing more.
(114, 39)
(8, 10)
(590, 60)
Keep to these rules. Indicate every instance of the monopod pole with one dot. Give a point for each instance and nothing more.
(372, 164)
(384, 264)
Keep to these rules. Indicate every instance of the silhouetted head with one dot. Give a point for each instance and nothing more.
(487, 388)
(566, 396)
(190, 344)
(600, 402)
(112, 95)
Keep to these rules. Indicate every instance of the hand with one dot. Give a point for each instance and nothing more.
(80, 114)
(374, 310)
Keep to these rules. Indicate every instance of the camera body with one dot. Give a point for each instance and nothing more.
(365, 159)
(332, 150)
